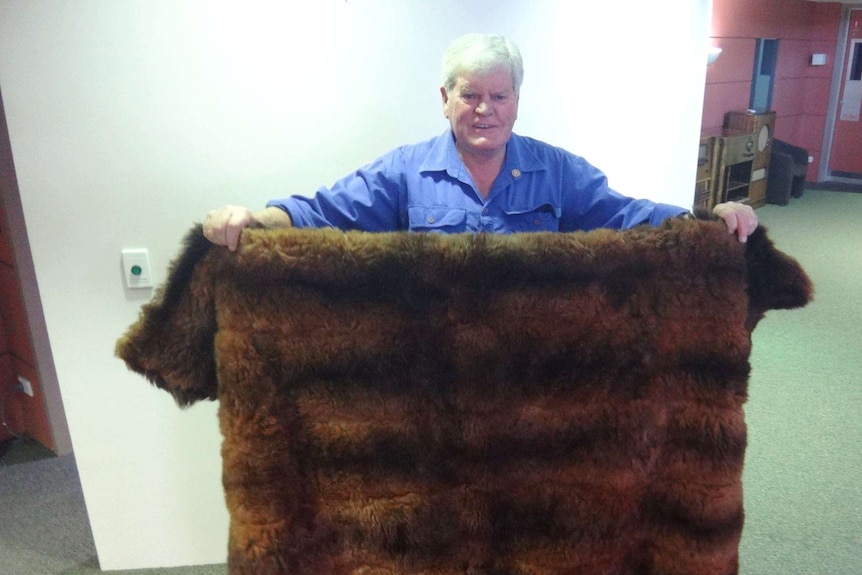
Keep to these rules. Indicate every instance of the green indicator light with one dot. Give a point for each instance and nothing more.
(136, 270)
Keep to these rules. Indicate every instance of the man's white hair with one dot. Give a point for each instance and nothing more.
(482, 53)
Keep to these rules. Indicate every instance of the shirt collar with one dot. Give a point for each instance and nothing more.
(443, 156)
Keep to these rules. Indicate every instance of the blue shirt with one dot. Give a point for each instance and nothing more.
(426, 187)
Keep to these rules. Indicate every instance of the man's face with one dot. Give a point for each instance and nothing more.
(482, 110)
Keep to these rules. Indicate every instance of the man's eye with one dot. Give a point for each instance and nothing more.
(501, 97)
(468, 96)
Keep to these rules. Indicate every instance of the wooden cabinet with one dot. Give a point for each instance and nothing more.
(758, 128)
(734, 167)
(704, 187)
(734, 161)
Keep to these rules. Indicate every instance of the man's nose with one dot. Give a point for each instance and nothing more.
(484, 107)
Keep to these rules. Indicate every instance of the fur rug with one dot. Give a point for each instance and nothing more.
(532, 404)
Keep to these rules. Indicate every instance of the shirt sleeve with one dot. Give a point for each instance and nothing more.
(368, 199)
(589, 203)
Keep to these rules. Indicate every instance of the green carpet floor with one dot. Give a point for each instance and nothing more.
(803, 474)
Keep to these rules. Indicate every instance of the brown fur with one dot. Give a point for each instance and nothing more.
(502, 405)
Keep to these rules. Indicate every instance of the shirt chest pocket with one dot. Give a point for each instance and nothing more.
(543, 218)
(437, 219)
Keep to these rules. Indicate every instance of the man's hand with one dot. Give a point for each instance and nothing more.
(223, 226)
(739, 218)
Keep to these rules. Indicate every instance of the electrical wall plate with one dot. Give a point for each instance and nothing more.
(136, 268)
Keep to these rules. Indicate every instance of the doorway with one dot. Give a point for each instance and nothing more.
(28, 354)
(763, 75)
(845, 161)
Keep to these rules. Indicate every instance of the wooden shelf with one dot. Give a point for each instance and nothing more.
(735, 165)
(704, 184)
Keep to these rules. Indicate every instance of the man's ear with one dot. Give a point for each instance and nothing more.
(445, 97)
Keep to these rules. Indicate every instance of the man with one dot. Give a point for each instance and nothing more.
(476, 177)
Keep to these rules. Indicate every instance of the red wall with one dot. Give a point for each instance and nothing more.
(23, 414)
(801, 93)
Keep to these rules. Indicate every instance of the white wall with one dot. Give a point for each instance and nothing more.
(129, 120)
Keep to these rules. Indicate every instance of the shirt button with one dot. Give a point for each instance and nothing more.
(430, 220)
(516, 172)
(537, 222)
(485, 211)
